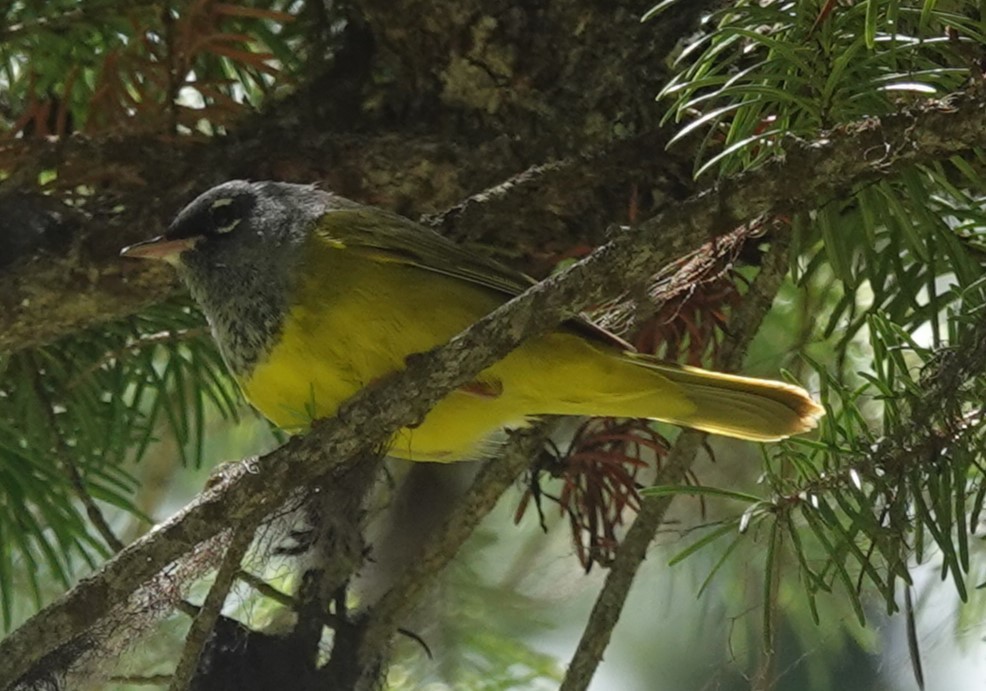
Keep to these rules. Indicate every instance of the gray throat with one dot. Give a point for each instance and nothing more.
(245, 307)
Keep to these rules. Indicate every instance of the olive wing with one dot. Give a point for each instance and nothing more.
(388, 237)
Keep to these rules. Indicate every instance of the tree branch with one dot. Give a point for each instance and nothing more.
(198, 632)
(609, 605)
(810, 174)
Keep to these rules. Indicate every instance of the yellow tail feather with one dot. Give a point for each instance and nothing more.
(742, 407)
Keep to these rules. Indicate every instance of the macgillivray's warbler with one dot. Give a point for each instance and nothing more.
(311, 297)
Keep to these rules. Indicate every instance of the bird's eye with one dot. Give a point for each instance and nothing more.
(225, 215)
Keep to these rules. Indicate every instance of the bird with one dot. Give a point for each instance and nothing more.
(311, 296)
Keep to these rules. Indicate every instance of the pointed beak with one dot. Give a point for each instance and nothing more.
(160, 248)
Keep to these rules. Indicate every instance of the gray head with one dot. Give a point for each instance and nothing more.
(237, 247)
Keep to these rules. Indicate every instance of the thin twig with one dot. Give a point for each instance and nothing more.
(266, 589)
(609, 605)
(201, 628)
(66, 458)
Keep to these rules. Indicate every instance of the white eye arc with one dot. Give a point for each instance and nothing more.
(228, 227)
(223, 218)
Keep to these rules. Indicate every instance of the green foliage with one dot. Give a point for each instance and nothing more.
(182, 66)
(893, 271)
(765, 71)
(853, 511)
(74, 415)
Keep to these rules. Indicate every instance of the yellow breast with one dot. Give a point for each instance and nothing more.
(356, 319)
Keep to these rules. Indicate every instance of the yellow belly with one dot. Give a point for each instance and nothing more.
(360, 323)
